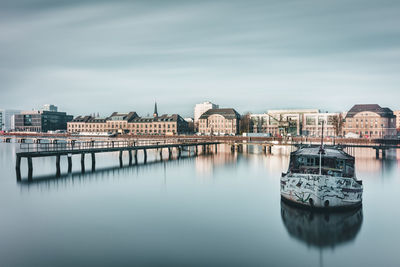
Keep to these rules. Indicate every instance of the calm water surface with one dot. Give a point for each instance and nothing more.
(211, 210)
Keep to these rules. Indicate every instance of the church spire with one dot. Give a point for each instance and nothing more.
(155, 114)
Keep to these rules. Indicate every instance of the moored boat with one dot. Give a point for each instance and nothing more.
(321, 177)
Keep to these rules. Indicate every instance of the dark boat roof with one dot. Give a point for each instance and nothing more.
(330, 152)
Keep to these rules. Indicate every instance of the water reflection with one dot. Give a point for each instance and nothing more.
(321, 229)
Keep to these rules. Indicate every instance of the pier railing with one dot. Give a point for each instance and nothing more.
(81, 145)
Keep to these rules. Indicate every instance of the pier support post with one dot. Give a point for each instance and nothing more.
(383, 153)
(160, 153)
(83, 162)
(216, 148)
(30, 168)
(93, 162)
(58, 173)
(145, 155)
(130, 157)
(18, 168)
(169, 153)
(69, 163)
(377, 153)
(135, 155)
(269, 149)
(120, 159)
(204, 149)
(196, 150)
(179, 151)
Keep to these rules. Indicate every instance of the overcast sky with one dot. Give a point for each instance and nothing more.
(104, 56)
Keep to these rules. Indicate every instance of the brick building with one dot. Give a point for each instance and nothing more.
(370, 121)
(130, 123)
(224, 121)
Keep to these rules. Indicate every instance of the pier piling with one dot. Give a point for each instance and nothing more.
(58, 172)
(69, 163)
(83, 162)
(93, 162)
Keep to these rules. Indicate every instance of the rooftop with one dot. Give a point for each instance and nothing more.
(330, 152)
(227, 113)
(383, 112)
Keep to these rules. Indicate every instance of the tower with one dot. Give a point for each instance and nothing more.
(155, 113)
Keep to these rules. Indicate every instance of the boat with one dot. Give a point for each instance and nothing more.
(321, 177)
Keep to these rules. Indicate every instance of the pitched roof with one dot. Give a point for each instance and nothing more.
(165, 117)
(227, 113)
(383, 112)
(125, 116)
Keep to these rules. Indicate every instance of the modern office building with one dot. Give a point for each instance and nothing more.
(41, 121)
(130, 123)
(6, 119)
(224, 121)
(295, 122)
(370, 121)
(199, 109)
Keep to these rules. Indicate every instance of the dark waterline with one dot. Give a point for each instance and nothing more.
(211, 210)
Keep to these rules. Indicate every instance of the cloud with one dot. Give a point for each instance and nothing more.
(99, 55)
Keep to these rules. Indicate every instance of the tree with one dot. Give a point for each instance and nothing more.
(337, 122)
(245, 123)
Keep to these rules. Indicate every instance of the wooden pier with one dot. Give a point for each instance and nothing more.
(92, 148)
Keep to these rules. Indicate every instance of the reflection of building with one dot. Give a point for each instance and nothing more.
(6, 119)
(370, 121)
(130, 123)
(41, 121)
(321, 229)
(220, 121)
(294, 122)
(199, 109)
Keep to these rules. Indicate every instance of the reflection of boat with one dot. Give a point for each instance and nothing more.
(320, 177)
(321, 229)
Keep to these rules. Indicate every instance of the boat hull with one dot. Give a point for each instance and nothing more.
(321, 191)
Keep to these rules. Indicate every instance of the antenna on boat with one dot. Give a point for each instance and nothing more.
(322, 136)
(321, 149)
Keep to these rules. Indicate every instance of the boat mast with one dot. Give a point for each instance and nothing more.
(321, 149)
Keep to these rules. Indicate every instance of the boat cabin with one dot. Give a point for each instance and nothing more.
(334, 162)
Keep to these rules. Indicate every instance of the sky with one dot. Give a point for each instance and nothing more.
(92, 56)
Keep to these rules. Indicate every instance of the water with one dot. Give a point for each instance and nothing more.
(214, 210)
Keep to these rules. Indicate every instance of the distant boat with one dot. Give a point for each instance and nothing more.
(323, 178)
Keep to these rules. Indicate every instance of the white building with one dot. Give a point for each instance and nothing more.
(6, 119)
(199, 109)
(306, 122)
(50, 107)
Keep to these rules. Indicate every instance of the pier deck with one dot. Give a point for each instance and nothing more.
(92, 148)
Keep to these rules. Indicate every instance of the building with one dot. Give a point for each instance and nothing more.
(295, 122)
(41, 121)
(130, 123)
(87, 124)
(6, 119)
(370, 121)
(50, 107)
(199, 109)
(224, 121)
(312, 124)
(397, 114)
